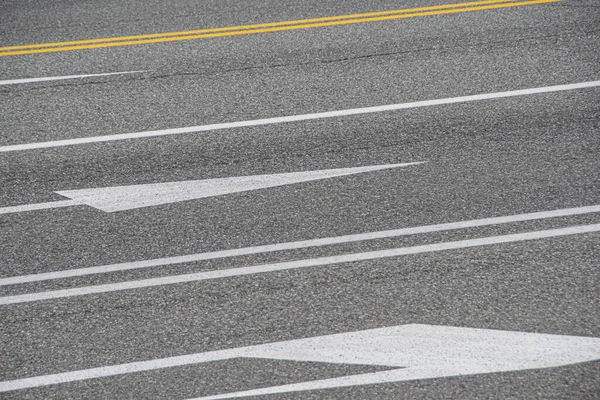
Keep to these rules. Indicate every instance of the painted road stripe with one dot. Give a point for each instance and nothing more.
(419, 352)
(38, 206)
(414, 351)
(61, 78)
(254, 26)
(322, 261)
(121, 198)
(264, 28)
(295, 118)
(296, 245)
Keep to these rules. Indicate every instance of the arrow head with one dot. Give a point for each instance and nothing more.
(420, 352)
(119, 198)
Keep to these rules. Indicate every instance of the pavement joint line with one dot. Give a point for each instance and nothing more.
(297, 264)
(302, 244)
(296, 118)
(265, 27)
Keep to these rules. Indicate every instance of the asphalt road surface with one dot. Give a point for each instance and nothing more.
(424, 184)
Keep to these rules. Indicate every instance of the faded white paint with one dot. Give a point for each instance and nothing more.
(61, 78)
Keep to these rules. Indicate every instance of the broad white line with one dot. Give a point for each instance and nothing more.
(296, 245)
(61, 78)
(421, 351)
(38, 206)
(293, 118)
(258, 269)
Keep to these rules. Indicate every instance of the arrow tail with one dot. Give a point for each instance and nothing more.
(38, 206)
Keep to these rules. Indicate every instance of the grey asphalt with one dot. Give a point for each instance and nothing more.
(486, 158)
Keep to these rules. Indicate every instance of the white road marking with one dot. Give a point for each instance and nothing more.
(294, 118)
(322, 261)
(296, 245)
(423, 352)
(420, 351)
(120, 198)
(60, 78)
(38, 206)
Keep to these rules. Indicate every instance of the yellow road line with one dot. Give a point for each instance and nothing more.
(254, 26)
(267, 27)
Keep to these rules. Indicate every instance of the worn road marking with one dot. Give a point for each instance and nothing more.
(120, 198)
(282, 266)
(61, 78)
(264, 28)
(414, 351)
(295, 118)
(14, 280)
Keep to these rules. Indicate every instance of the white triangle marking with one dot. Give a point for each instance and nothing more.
(119, 198)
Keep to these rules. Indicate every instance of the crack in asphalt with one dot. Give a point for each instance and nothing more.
(297, 64)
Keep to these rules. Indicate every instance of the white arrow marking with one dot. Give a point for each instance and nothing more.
(119, 198)
(38, 206)
(60, 78)
(414, 351)
(294, 118)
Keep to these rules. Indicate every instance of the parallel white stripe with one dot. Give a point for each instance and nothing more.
(38, 206)
(372, 378)
(120, 369)
(293, 118)
(257, 269)
(295, 245)
(60, 78)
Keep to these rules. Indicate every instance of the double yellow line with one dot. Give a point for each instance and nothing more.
(268, 27)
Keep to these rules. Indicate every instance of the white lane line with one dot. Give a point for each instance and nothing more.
(61, 78)
(258, 269)
(38, 206)
(372, 378)
(421, 351)
(293, 118)
(121, 369)
(296, 245)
